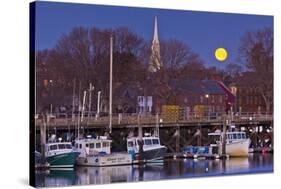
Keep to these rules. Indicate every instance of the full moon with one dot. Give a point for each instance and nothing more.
(221, 54)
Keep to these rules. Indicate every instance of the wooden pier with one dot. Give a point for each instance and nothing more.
(174, 133)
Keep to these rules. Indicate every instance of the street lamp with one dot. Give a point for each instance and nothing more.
(52, 96)
(207, 97)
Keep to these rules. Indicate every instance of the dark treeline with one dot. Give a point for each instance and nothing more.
(82, 57)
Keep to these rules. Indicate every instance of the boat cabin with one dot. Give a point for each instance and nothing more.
(54, 148)
(91, 146)
(148, 142)
(230, 136)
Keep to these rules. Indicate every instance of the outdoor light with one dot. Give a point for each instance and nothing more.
(207, 95)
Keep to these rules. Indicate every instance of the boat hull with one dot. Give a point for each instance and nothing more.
(153, 154)
(237, 148)
(63, 160)
(105, 160)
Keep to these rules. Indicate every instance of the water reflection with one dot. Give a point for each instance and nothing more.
(180, 168)
(60, 177)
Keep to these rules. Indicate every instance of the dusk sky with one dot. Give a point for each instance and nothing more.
(202, 31)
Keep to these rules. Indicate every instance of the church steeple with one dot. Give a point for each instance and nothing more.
(155, 36)
(155, 61)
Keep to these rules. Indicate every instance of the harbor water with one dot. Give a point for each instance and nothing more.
(168, 169)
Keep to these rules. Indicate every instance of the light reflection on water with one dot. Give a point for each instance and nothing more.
(180, 168)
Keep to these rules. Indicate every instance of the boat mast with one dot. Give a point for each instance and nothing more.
(83, 109)
(110, 85)
(91, 88)
(73, 105)
(157, 125)
(79, 111)
(73, 100)
(98, 105)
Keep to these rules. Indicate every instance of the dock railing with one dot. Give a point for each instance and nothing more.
(150, 119)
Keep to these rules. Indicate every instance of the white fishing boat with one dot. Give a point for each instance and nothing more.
(97, 152)
(152, 149)
(237, 143)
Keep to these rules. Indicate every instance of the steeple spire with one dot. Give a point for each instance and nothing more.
(155, 36)
(155, 61)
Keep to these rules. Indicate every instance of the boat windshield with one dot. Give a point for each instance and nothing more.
(155, 141)
(236, 136)
(92, 145)
(130, 144)
(61, 146)
(147, 142)
(54, 147)
(98, 145)
(214, 139)
(105, 144)
(239, 136)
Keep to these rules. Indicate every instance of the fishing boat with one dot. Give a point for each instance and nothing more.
(152, 149)
(97, 152)
(60, 154)
(237, 143)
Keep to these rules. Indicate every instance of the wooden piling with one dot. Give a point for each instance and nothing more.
(178, 138)
(43, 139)
(224, 138)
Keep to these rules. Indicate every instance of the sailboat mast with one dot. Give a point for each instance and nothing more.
(79, 110)
(73, 100)
(110, 85)
(83, 109)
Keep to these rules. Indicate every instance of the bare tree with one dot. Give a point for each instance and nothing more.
(257, 54)
(174, 54)
(83, 54)
(233, 70)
